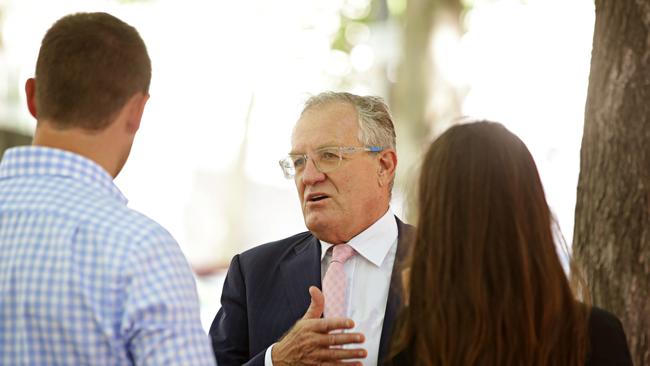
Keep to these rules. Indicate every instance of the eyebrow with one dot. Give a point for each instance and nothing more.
(321, 146)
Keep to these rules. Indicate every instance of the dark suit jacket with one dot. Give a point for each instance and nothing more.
(607, 343)
(266, 292)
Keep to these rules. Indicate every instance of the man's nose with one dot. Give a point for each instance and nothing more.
(311, 175)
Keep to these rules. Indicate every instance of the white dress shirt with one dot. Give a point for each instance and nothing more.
(368, 273)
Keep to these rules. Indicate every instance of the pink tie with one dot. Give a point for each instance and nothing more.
(335, 283)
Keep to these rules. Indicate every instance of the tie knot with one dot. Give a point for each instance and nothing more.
(342, 252)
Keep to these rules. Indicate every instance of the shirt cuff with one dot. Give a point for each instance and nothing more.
(268, 361)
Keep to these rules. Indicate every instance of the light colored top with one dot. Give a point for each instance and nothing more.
(368, 274)
(84, 280)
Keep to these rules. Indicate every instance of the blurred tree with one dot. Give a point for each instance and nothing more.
(612, 225)
(2, 18)
(10, 138)
(423, 101)
(237, 192)
(422, 98)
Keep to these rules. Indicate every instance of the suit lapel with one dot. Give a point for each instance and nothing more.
(394, 302)
(299, 271)
(302, 269)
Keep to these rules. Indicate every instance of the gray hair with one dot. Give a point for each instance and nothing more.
(375, 121)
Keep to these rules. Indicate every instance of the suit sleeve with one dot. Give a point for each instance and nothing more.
(229, 329)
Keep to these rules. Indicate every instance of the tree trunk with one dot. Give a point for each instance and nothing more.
(421, 98)
(612, 227)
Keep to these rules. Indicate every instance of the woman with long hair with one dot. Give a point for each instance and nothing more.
(485, 285)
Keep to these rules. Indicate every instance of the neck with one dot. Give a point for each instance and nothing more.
(100, 147)
(373, 219)
(338, 237)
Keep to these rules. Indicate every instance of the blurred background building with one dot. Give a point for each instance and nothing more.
(229, 79)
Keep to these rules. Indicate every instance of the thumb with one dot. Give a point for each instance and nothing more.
(317, 304)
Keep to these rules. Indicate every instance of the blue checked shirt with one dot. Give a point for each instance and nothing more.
(84, 280)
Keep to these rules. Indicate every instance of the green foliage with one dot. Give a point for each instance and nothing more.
(339, 42)
(396, 8)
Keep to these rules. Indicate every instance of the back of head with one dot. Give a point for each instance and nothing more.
(88, 66)
(485, 276)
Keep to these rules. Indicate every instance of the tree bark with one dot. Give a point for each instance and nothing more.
(612, 225)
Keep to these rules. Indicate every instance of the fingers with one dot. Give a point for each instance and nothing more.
(336, 339)
(317, 305)
(327, 325)
(339, 354)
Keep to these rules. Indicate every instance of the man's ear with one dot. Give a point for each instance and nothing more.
(387, 166)
(30, 93)
(136, 110)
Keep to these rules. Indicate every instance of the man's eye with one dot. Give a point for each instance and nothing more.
(299, 161)
(328, 155)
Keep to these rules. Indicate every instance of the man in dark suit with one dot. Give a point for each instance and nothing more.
(343, 162)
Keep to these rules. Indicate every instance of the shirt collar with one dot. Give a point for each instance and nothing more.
(25, 161)
(374, 242)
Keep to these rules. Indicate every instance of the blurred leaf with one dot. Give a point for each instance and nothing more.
(339, 42)
(396, 8)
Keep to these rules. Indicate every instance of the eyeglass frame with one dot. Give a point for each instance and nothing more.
(342, 150)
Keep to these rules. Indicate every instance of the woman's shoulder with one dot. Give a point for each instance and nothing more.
(601, 319)
(607, 342)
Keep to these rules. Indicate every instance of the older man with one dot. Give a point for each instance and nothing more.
(84, 280)
(343, 162)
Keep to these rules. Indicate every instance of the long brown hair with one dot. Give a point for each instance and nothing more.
(486, 284)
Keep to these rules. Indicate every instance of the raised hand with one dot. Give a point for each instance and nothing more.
(308, 341)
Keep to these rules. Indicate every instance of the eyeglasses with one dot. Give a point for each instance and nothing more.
(326, 159)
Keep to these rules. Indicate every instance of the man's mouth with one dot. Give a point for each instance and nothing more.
(316, 197)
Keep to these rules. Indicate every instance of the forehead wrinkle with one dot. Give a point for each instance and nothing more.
(310, 139)
(320, 146)
(338, 127)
